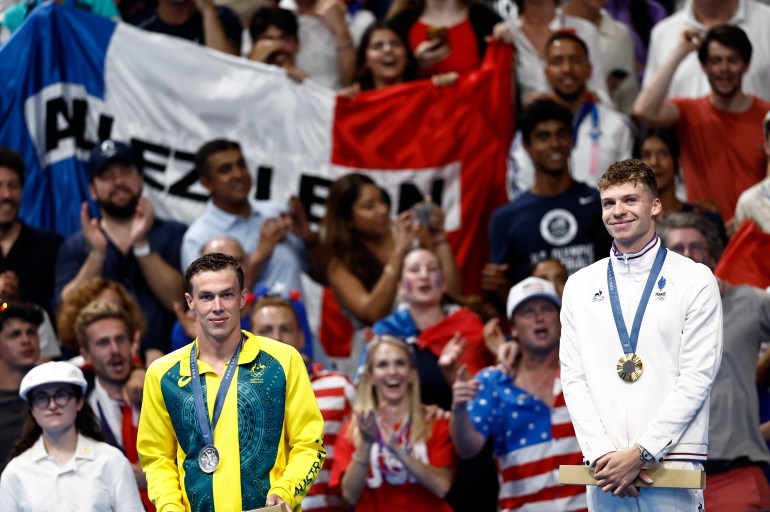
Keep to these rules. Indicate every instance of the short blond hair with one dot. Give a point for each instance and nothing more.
(93, 312)
(629, 171)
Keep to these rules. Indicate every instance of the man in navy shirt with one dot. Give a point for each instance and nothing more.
(127, 244)
(557, 218)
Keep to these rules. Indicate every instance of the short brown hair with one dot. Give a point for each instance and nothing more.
(99, 310)
(213, 262)
(629, 171)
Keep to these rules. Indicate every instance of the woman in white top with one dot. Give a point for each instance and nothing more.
(59, 464)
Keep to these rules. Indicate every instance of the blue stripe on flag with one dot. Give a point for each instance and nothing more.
(55, 45)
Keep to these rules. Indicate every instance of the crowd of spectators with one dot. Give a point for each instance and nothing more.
(439, 395)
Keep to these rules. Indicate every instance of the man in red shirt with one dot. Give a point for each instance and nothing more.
(722, 152)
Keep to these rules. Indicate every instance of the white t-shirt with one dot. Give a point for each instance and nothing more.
(530, 68)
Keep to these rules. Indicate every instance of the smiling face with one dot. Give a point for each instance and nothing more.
(567, 69)
(549, 147)
(536, 326)
(385, 58)
(227, 178)
(370, 211)
(118, 188)
(392, 373)
(421, 278)
(108, 350)
(627, 212)
(657, 155)
(55, 419)
(217, 299)
(724, 68)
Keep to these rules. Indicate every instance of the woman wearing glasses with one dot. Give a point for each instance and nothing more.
(59, 462)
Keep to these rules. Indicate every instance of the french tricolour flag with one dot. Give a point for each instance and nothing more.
(71, 79)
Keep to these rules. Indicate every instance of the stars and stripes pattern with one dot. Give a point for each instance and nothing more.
(335, 394)
(531, 441)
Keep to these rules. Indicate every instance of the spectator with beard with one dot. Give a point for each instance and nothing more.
(601, 134)
(722, 151)
(127, 244)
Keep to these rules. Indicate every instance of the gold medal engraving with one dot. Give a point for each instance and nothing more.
(630, 367)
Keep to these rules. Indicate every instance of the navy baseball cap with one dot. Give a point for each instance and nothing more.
(107, 152)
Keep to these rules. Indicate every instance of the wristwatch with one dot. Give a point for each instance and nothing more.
(644, 455)
(142, 251)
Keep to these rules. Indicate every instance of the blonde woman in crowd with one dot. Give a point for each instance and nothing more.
(390, 457)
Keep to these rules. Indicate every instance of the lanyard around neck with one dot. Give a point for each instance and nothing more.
(207, 428)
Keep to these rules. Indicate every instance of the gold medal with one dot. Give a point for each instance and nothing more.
(630, 367)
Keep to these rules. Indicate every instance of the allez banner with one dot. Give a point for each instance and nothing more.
(71, 79)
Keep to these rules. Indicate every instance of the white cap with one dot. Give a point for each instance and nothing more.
(531, 288)
(50, 373)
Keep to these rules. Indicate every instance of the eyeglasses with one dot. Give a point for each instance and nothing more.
(61, 398)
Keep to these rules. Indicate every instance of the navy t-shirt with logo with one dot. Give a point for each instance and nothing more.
(566, 226)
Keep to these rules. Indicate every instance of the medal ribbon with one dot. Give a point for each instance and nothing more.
(629, 342)
(207, 429)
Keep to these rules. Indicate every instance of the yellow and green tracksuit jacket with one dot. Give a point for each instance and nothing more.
(269, 435)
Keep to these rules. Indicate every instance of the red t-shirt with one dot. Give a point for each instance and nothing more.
(722, 152)
(464, 54)
(389, 486)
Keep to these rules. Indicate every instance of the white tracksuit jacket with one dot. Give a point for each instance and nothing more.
(680, 343)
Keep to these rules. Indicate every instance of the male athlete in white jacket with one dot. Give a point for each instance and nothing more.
(639, 395)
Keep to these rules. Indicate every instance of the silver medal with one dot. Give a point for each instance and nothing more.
(208, 459)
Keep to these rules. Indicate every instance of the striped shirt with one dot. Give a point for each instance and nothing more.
(335, 394)
(531, 440)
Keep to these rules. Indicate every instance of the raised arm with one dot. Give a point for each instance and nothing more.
(467, 440)
(371, 305)
(94, 262)
(214, 35)
(651, 106)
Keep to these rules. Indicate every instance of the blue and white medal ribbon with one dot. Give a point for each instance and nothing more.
(208, 458)
(630, 366)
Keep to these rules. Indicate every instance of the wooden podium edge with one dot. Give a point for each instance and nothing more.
(661, 477)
